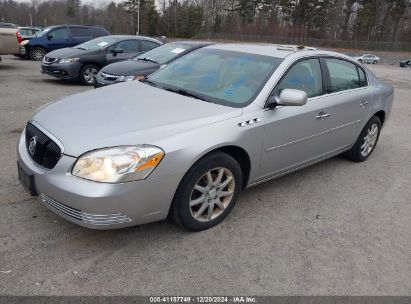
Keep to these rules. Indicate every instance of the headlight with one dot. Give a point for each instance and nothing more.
(128, 78)
(67, 60)
(118, 164)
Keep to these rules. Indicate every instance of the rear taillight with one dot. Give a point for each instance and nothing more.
(18, 37)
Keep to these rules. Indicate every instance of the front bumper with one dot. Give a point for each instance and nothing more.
(99, 205)
(62, 71)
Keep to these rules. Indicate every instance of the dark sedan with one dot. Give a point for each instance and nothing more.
(85, 60)
(405, 63)
(145, 64)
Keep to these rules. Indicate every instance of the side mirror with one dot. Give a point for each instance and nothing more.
(49, 36)
(116, 51)
(293, 98)
(288, 97)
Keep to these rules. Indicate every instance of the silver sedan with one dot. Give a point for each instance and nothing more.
(185, 141)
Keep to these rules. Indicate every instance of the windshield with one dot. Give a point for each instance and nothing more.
(97, 44)
(223, 77)
(164, 53)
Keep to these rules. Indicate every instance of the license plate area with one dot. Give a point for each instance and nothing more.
(26, 179)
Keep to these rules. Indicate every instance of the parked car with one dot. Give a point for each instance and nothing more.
(85, 60)
(145, 64)
(9, 39)
(28, 32)
(187, 139)
(405, 63)
(368, 58)
(58, 37)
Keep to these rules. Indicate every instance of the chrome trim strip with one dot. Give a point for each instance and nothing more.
(311, 136)
(85, 217)
(298, 167)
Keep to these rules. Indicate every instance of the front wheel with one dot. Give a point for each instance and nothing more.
(375, 62)
(88, 74)
(37, 53)
(366, 142)
(207, 193)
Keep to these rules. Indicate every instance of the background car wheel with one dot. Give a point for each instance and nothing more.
(375, 62)
(366, 142)
(37, 53)
(88, 74)
(360, 60)
(207, 193)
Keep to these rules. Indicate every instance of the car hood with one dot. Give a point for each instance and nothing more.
(68, 53)
(129, 67)
(125, 114)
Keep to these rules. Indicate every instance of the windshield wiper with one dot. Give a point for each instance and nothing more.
(149, 82)
(188, 94)
(147, 59)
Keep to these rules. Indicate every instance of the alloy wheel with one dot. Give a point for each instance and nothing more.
(90, 74)
(212, 194)
(38, 54)
(369, 140)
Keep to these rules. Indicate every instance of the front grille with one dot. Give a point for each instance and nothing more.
(87, 218)
(43, 150)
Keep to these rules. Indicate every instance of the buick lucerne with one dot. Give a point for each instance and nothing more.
(183, 142)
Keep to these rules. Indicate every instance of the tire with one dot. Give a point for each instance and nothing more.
(87, 74)
(375, 62)
(37, 53)
(360, 60)
(359, 152)
(198, 217)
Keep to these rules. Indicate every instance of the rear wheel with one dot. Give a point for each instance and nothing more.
(366, 142)
(88, 74)
(37, 53)
(360, 60)
(207, 193)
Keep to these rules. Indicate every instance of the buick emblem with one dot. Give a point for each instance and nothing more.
(32, 145)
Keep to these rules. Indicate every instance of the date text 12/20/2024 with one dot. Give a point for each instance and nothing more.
(220, 299)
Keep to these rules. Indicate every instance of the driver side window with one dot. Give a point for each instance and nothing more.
(305, 76)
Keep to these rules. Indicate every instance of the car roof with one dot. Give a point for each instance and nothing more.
(273, 50)
(8, 25)
(28, 28)
(192, 43)
(120, 37)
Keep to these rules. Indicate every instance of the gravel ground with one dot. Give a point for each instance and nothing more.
(336, 228)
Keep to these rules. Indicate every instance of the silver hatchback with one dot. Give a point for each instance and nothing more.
(186, 140)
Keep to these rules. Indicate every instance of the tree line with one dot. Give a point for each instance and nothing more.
(330, 20)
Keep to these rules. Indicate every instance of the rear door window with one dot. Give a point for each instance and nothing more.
(80, 32)
(128, 46)
(97, 31)
(147, 45)
(343, 74)
(363, 77)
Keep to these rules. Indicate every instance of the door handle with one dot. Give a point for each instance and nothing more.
(363, 104)
(322, 115)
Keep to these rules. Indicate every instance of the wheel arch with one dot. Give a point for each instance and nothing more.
(237, 152)
(381, 115)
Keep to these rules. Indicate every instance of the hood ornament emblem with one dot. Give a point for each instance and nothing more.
(32, 145)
